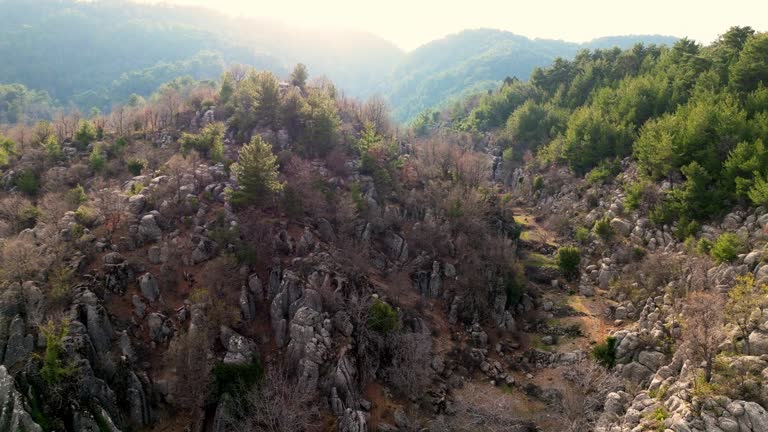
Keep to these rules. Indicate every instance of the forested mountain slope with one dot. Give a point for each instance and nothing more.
(472, 61)
(94, 54)
(689, 114)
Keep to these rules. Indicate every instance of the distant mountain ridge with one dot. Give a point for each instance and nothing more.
(475, 60)
(96, 54)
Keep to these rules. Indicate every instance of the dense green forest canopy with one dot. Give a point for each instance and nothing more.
(695, 116)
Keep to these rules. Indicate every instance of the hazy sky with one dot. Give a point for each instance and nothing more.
(410, 23)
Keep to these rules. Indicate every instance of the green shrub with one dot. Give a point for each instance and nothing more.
(582, 235)
(357, 197)
(568, 259)
(292, 203)
(604, 171)
(136, 188)
(28, 183)
(633, 195)
(604, 353)
(119, 145)
(538, 183)
(507, 155)
(135, 166)
(603, 229)
(54, 370)
(638, 253)
(27, 217)
(76, 196)
(382, 317)
(77, 231)
(236, 378)
(209, 142)
(85, 134)
(686, 228)
(97, 160)
(514, 287)
(727, 248)
(85, 216)
(662, 213)
(52, 147)
(658, 393)
(704, 246)
(659, 415)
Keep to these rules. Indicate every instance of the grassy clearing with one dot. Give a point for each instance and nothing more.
(534, 259)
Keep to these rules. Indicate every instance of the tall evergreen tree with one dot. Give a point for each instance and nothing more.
(257, 174)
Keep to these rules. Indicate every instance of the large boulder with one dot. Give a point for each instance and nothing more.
(149, 231)
(159, 327)
(621, 226)
(136, 203)
(758, 342)
(326, 231)
(653, 360)
(205, 250)
(149, 287)
(605, 277)
(397, 247)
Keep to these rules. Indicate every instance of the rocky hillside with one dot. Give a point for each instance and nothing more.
(648, 281)
(259, 255)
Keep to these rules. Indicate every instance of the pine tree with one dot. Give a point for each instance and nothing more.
(299, 76)
(257, 174)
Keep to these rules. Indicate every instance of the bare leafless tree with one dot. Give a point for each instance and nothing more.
(586, 388)
(117, 120)
(20, 260)
(410, 372)
(66, 124)
(188, 356)
(703, 328)
(113, 207)
(376, 111)
(171, 102)
(477, 409)
(278, 404)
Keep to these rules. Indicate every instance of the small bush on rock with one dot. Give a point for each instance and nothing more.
(604, 353)
(382, 317)
(568, 259)
(603, 229)
(135, 166)
(727, 248)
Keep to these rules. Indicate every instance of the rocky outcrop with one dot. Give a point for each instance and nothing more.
(396, 246)
(20, 344)
(160, 328)
(240, 350)
(117, 272)
(13, 413)
(353, 421)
